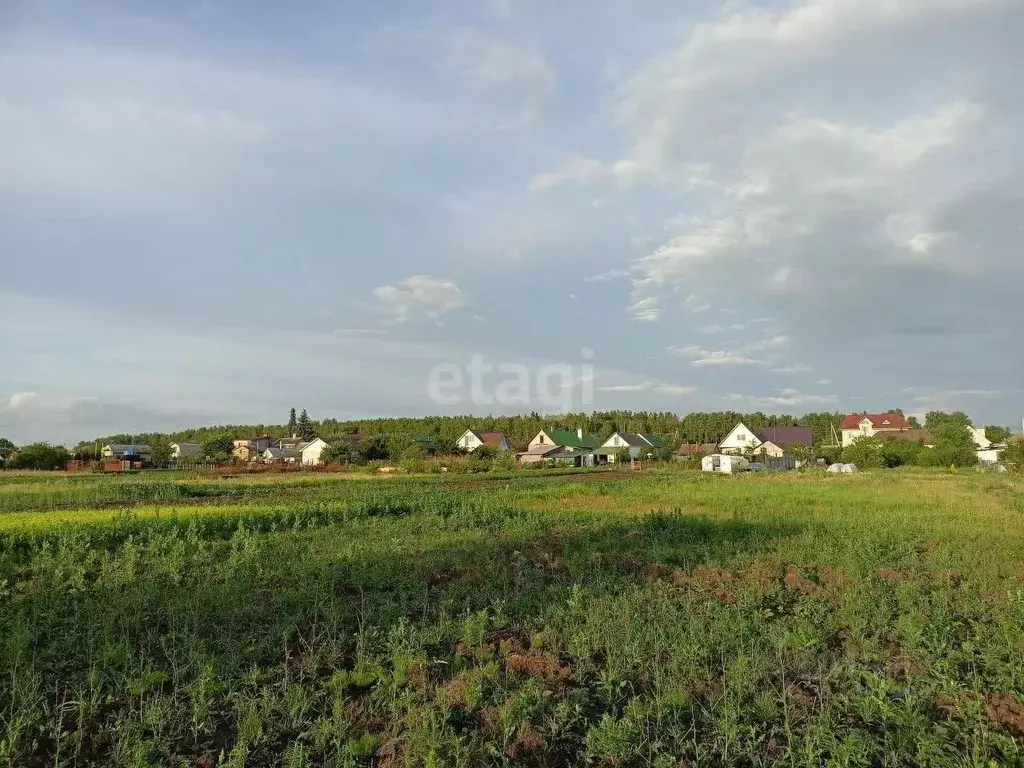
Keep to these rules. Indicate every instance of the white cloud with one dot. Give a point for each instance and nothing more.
(645, 310)
(701, 358)
(579, 170)
(777, 342)
(605, 277)
(419, 296)
(807, 132)
(789, 398)
(649, 386)
(20, 399)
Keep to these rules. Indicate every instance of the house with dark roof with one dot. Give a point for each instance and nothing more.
(689, 451)
(776, 440)
(122, 451)
(472, 439)
(769, 441)
(859, 425)
(639, 446)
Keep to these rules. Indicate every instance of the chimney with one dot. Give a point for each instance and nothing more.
(579, 433)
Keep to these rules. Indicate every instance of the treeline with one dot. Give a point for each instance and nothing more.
(402, 434)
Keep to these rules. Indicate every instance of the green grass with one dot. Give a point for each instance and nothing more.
(655, 619)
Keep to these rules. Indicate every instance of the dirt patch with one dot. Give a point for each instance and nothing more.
(454, 693)
(527, 741)
(1006, 711)
(890, 576)
(711, 580)
(952, 705)
(901, 666)
(389, 755)
(705, 689)
(795, 579)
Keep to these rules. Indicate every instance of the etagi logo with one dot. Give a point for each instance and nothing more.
(552, 386)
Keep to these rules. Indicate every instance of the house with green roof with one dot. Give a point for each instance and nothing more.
(639, 446)
(561, 446)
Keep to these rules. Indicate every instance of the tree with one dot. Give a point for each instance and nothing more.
(865, 452)
(375, 449)
(897, 453)
(293, 424)
(954, 446)
(1013, 456)
(305, 427)
(993, 433)
(6, 448)
(41, 456)
(218, 449)
(161, 452)
(934, 420)
(340, 452)
(914, 423)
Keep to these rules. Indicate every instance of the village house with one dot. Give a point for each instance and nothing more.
(860, 425)
(639, 446)
(121, 451)
(281, 456)
(181, 451)
(252, 448)
(740, 440)
(770, 441)
(561, 445)
(311, 451)
(775, 441)
(471, 440)
(688, 451)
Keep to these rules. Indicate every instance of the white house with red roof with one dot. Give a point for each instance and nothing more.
(471, 440)
(860, 425)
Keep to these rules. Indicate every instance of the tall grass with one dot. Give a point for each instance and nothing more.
(657, 620)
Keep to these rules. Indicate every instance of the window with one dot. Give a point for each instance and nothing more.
(741, 437)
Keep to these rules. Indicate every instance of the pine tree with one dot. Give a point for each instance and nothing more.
(292, 423)
(306, 431)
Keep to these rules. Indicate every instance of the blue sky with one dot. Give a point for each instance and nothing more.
(211, 211)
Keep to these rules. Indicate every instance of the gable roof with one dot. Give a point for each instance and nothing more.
(736, 429)
(571, 439)
(282, 453)
(878, 421)
(635, 441)
(491, 438)
(126, 447)
(783, 436)
(541, 450)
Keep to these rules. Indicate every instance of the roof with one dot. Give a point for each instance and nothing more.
(878, 421)
(124, 448)
(541, 450)
(282, 453)
(697, 449)
(911, 436)
(487, 438)
(187, 445)
(636, 441)
(571, 439)
(783, 436)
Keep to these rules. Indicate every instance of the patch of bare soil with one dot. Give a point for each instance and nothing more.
(527, 741)
(1006, 711)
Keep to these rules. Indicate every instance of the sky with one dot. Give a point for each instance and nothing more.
(214, 210)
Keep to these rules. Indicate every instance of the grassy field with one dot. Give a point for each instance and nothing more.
(607, 619)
